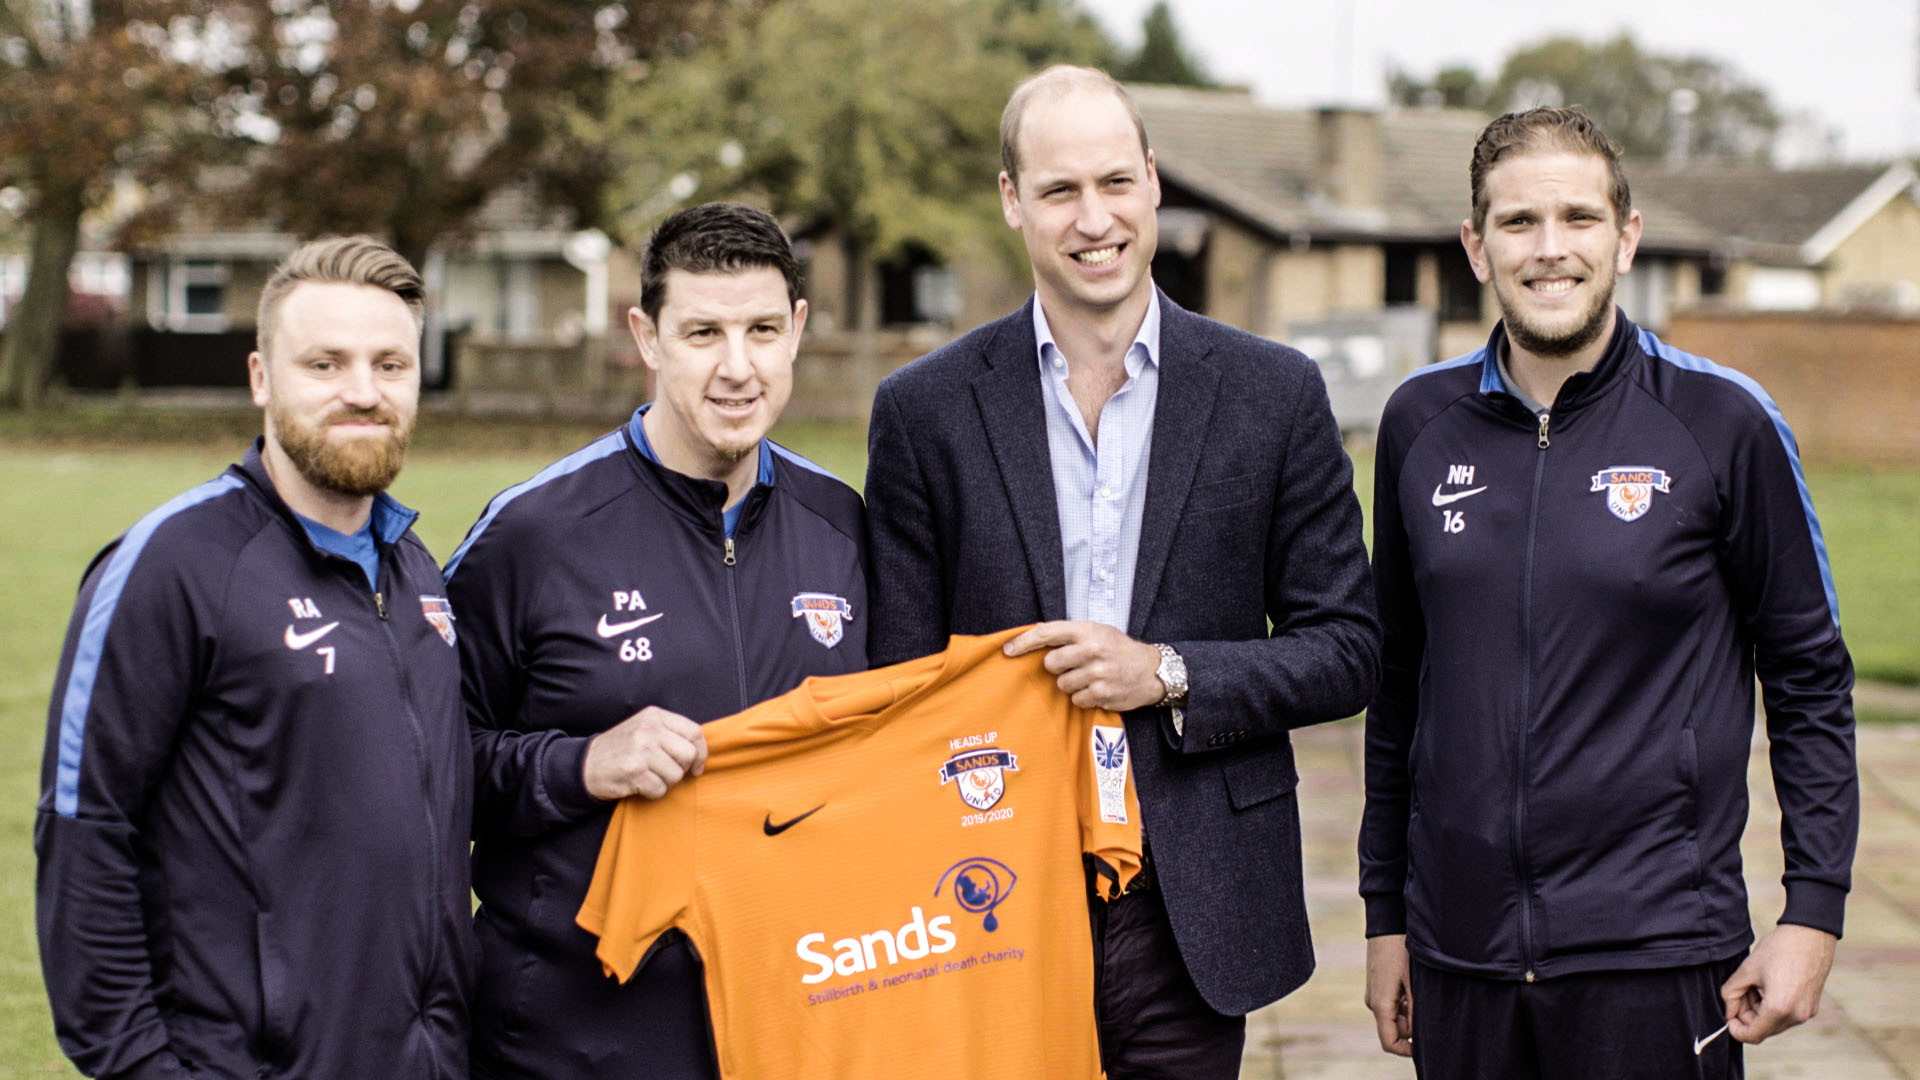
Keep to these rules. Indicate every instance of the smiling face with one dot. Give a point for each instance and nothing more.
(1552, 248)
(1084, 203)
(340, 383)
(722, 352)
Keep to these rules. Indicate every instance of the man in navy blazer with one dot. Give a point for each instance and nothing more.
(1151, 487)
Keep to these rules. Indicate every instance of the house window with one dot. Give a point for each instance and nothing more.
(918, 288)
(1402, 274)
(1713, 278)
(193, 296)
(1459, 289)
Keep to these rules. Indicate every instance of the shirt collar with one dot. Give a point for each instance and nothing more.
(1146, 341)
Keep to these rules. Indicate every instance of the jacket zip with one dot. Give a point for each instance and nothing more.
(426, 793)
(1526, 714)
(733, 601)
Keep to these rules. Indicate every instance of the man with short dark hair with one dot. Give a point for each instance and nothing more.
(1587, 544)
(257, 786)
(674, 571)
(1153, 488)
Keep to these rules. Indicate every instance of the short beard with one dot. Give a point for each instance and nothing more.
(356, 468)
(1538, 342)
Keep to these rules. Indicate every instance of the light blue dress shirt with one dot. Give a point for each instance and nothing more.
(1101, 490)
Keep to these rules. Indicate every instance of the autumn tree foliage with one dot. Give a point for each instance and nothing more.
(875, 120)
(89, 92)
(402, 118)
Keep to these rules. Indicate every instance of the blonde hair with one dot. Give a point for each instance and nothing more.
(340, 260)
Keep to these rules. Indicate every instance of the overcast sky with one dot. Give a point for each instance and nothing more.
(1851, 64)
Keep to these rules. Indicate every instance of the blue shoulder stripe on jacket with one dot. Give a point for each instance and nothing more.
(78, 697)
(800, 461)
(1477, 356)
(605, 446)
(1689, 362)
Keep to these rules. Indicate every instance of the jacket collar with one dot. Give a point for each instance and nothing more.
(1580, 387)
(1008, 395)
(391, 519)
(702, 500)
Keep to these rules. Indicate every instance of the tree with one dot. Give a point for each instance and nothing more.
(403, 118)
(1163, 57)
(1456, 86)
(88, 92)
(874, 119)
(1652, 106)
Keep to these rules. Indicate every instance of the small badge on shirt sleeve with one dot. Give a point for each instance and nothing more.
(825, 614)
(1109, 750)
(439, 615)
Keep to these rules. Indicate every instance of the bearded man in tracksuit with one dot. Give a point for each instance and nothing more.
(1587, 545)
(257, 788)
(676, 570)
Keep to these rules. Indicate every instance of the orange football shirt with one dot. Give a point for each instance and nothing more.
(883, 874)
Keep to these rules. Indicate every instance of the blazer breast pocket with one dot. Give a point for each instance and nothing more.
(1220, 494)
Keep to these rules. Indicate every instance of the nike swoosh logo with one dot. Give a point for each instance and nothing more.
(1442, 500)
(301, 641)
(607, 629)
(776, 830)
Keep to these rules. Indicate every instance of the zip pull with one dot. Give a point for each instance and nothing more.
(729, 557)
(380, 605)
(1543, 431)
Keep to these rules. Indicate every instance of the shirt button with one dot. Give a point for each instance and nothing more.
(1105, 492)
(1059, 362)
(1101, 573)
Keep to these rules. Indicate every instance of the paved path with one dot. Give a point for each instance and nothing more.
(1869, 1022)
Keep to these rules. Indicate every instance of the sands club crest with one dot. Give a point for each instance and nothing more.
(826, 615)
(1630, 489)
(980, 774)
(439, 615)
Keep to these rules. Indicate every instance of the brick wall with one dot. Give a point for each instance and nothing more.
(1849, 385)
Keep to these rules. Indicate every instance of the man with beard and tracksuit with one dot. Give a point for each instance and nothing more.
(257, 789)
(1587, 544)
(677, 570)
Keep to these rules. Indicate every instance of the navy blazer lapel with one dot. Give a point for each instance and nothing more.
(1012, 412)
(1189, 381)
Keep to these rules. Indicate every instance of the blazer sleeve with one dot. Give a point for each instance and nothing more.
(1321, 659)
(133, 656)
(906, 586)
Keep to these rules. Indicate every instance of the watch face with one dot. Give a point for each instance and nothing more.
(1173, 673)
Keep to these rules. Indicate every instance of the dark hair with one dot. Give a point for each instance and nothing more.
(715, 238)
(1546, 128)
(339, 260)
(1058, 79)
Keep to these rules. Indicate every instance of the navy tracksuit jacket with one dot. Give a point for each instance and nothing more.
(603, 585)
(255, 802)
(1575, 611)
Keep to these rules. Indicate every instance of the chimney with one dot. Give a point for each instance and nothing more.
(1348, 170)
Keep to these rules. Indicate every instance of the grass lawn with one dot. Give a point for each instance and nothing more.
(62, 496)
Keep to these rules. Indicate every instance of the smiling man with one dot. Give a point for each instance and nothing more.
(1587, 543)
(676, 570)
(257, 786)
(1156, 490)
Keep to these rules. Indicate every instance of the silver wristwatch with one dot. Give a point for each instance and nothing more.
(1173, 675)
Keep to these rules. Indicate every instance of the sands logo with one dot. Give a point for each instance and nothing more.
(1630, 489)
(919, 937)
(981, 775)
